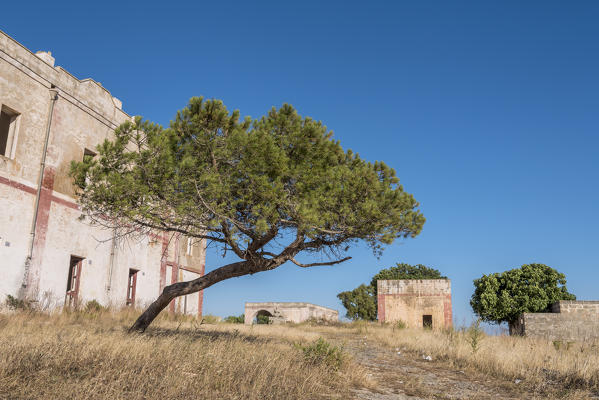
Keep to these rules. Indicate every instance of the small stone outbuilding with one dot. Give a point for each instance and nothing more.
(279, 312)
(567, 321)
(419, 303)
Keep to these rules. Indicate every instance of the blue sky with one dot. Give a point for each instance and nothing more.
(488, 111)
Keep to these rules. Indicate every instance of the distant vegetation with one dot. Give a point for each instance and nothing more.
(504, 296)
(361, 303)
(231, 319)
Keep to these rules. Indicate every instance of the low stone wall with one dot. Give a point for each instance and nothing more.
(568, 321)
(576, 307)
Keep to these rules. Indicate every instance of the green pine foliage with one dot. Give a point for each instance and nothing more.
(210, 169)
(267, 189)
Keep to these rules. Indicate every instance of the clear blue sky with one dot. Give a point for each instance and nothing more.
(488, 111)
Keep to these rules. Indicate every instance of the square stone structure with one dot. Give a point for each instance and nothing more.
(568, 321)
(47, 254)
(281, 312)
(417, 302)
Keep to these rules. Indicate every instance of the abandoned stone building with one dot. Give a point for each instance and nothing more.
(417, 302)
(567, 321)
(47, 254)
(288, 312)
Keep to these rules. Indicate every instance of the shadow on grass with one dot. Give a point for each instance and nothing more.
(201, 333)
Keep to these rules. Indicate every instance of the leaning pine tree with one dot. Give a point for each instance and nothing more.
(266, 190)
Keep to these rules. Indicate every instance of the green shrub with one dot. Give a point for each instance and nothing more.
(558, 344)
(322, 352)
(14, 303)
(93, 307)
(475, 335)
(231, 319)
(263, 319)
(400, 325)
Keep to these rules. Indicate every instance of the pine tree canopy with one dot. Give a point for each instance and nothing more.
(267, 189)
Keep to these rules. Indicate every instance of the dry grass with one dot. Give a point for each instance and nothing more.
(538, 363)
(90, 356)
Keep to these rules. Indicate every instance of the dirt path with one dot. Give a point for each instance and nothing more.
(409, 376)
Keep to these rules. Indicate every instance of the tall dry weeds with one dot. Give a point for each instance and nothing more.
(90, 356)
(536, 362)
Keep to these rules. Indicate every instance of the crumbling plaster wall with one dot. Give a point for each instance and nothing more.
(84, 115)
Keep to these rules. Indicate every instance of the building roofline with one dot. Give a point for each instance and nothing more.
(287, 303)
(61, 69)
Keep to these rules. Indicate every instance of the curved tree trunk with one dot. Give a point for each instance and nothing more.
(182, 288)
(152, 311)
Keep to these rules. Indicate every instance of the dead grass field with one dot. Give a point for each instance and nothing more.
(535, 362)
(90, 356)
(541, 367)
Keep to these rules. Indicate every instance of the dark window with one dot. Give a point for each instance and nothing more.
(427, 321)
(73, 281)
(8, 122)
(131, 287)
(88, 154)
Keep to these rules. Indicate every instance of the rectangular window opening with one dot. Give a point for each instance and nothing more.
(427, 321)
(8, 127)
(73, 280)
(131, 285)
(88, 154)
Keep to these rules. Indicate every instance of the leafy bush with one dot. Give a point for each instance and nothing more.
(322, 352)
(14, 303)
(263, 319)
(503, 297)
(400, 325)
(93, 307)
(231, 319)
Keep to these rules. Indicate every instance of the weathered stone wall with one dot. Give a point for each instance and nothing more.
(84, 115)
(290, 312)
(408, 300)
(568, 321)
(579, 307)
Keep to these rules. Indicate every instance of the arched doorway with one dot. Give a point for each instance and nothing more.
(262, 317)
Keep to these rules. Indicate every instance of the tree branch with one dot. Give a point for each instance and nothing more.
(318, 264)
